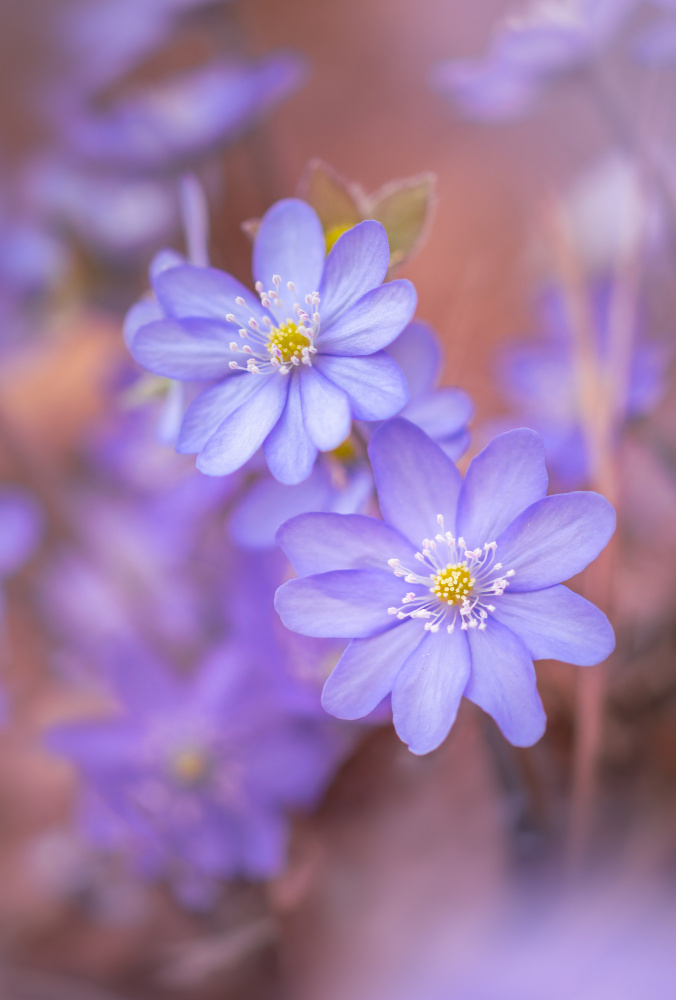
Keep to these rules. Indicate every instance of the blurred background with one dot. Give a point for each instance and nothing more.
(480, 871)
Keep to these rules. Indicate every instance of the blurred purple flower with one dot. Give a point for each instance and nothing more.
(306, 375)
(467, 624)
(341, 481)
(199, 775)
(541, 379)
(551, 39)
(163, 127)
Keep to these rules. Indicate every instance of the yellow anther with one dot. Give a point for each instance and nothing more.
(190, 765)
(287, 341)
(453, 584)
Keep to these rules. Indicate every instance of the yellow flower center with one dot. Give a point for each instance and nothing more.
(190, 765)
(453, 584)
(345, 452)
(333, 234)
(287, 341)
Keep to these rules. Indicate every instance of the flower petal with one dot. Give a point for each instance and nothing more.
(371, 323)
(268, 504)
(558, 624)
(142, 313)
(244, 431)
(375, 385)
(206, 292)
(555, 538)
(190, 350)
(344, 604)
(505, 478)
(441, 413)
(326, 409)
(290, 242)
(289, 452)
(357, 263)
(503, 683)
(415, 480)
(207, 412)
(417, 351)
(428, 688)
(318, 542)
(366, 671)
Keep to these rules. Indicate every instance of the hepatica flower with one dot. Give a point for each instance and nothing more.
(294, 363)
(198, 775)
(551, 39)
(456, 591)
(542, 379)
(342, 481)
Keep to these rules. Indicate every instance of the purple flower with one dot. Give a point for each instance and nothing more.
(341, 481)
(162, 127)
(543, 381)
(21, 529)
(551, 39)
(455, 592)
(198, 774)
(296, 363)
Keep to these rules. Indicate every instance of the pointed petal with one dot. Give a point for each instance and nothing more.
(190, 350)
(357, 263)
(415, 480)
(503, 683)
(505, 478)
(317, 543)
(206, 292)
(366, 671)
(375, 385)
(555, 538)
(208, 410)
(326, 409)
(244, 431)
(427, 692)
(289, 452)
(371, 323)
(345, 604)
(558, 624)
(290, 243)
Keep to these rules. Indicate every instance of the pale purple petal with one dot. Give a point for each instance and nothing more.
(366, 671)
(244, 431)
(268, 504)
(415, 480)
(209, 293)
(558, 624)
(503, 683)
(344, 604)
(141, 314)
(375, 385)
(317, 543)
(505, 478)
(326, 409)
(22, 526)
(208, 411)
(554, 539)
(290, 242)
(428, 688)
(357, 263)
(417, 351)
(441, 413)
(371, 323)
(189, 349)
(289, 451)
